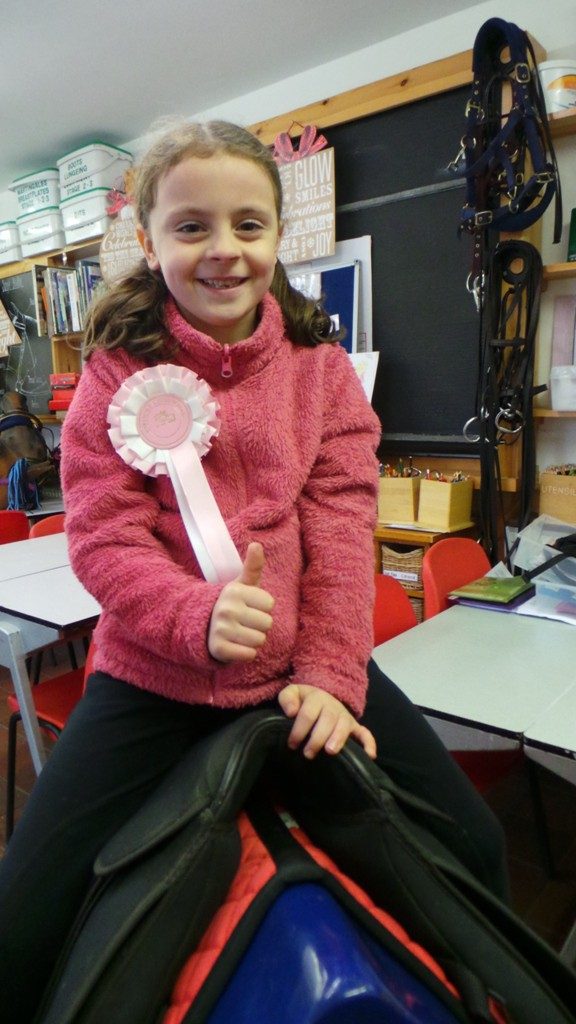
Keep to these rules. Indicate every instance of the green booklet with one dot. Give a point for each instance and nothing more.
(497, 590)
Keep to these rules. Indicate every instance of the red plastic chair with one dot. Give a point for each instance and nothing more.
(14, 525)
(54, 701)
(393, 612)
(50, 524)
(448, 564)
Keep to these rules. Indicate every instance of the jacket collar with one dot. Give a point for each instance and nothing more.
(203, 354)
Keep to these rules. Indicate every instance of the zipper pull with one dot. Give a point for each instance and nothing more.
(226, 370)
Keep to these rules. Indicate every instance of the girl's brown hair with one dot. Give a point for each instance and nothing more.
(130, 313)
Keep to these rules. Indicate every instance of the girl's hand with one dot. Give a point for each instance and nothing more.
(322, 721)
(241, 617)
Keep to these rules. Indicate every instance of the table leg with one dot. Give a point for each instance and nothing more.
(13, 658)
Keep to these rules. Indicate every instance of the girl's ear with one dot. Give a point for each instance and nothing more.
(280, 233)
(147, 247)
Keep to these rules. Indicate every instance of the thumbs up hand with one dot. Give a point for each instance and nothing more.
(241, 617)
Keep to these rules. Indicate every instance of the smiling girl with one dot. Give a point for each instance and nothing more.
(294, 474)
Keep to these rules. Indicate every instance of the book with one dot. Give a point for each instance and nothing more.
(494, 589)
(497, 606)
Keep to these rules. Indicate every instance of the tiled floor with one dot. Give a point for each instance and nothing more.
(548, 905)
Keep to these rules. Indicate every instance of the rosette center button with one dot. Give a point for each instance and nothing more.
(164, 421)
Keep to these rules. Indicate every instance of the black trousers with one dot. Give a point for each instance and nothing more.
(116, 747)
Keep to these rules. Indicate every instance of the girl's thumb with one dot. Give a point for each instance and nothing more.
(253, 565)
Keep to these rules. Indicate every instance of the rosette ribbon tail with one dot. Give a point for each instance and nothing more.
(213, 546)
(163, 419)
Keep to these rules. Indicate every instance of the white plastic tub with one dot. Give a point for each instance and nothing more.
(9, 236)
(11, 255)
(41, 231)
(84, 208)
(38, 190)
(98, 163)
(34, 227)
(48, 244)
(92, 230)
(563, 388)
(558, 79)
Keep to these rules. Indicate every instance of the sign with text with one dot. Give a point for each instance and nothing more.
(309, 208)
(8, 333)
(120, 250)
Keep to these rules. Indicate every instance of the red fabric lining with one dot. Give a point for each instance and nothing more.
(255, 869)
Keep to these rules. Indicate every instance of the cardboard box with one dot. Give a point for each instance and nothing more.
(558, 497)
(398, 499)
(445, 506)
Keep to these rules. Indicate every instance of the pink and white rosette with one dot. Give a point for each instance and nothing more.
(163, 419)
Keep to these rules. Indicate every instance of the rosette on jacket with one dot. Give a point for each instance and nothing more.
(163, 419)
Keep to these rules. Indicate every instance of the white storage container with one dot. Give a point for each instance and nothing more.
(48, 244)
(84, 208)
(92, 230)
(9, 237)
(558, 79)
(38, 190)
(97, 165)
(10, 248)
(11, 255)
(41, 231)
(563, 388)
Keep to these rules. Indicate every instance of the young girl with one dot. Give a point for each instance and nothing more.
(294, 474)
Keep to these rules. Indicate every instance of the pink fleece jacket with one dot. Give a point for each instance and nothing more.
(293, 467)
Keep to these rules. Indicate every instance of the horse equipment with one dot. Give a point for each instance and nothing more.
(26, 461)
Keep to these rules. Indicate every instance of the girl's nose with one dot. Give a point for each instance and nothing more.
(222, 244)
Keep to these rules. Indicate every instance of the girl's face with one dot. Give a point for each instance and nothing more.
(214, 235)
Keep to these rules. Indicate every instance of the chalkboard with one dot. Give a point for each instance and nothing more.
(392, 184)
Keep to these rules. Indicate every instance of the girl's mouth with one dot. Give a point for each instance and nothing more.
(221, 283)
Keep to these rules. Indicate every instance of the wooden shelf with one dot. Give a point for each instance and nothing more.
(559, 271)
(554, 414)
(563, 124)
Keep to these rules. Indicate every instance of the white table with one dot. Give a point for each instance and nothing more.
(40, 600)
(551, 741)
(27, 557)
(495, 670)
(48, 507)
(507, 673)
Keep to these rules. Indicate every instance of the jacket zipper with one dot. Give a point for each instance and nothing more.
(226, 370)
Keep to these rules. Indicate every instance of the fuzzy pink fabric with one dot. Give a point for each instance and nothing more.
(293, 467)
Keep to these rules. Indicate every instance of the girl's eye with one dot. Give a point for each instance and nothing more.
(190, 228)
(249, 226)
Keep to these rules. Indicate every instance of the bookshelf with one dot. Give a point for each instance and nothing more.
(65, 343)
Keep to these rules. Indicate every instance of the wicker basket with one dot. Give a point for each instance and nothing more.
(405, 566)
(418, 606)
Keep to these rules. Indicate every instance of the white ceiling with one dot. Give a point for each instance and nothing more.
(73, 71)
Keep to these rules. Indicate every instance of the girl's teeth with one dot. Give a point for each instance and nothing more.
(220, 284)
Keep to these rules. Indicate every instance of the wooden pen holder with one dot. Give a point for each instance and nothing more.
(445, 506)
(398, 499)
(558, 497)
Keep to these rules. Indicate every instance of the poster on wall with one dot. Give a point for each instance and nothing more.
(337, 288)
(30, 362)
(309, 211)
(350, 267)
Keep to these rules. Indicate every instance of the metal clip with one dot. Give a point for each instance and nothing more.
(482, 219)
(465, 143)
(508, 415)
(474, 106)
(521, 73)
(474, 287)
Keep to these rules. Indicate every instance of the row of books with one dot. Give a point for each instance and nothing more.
(66, 293)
